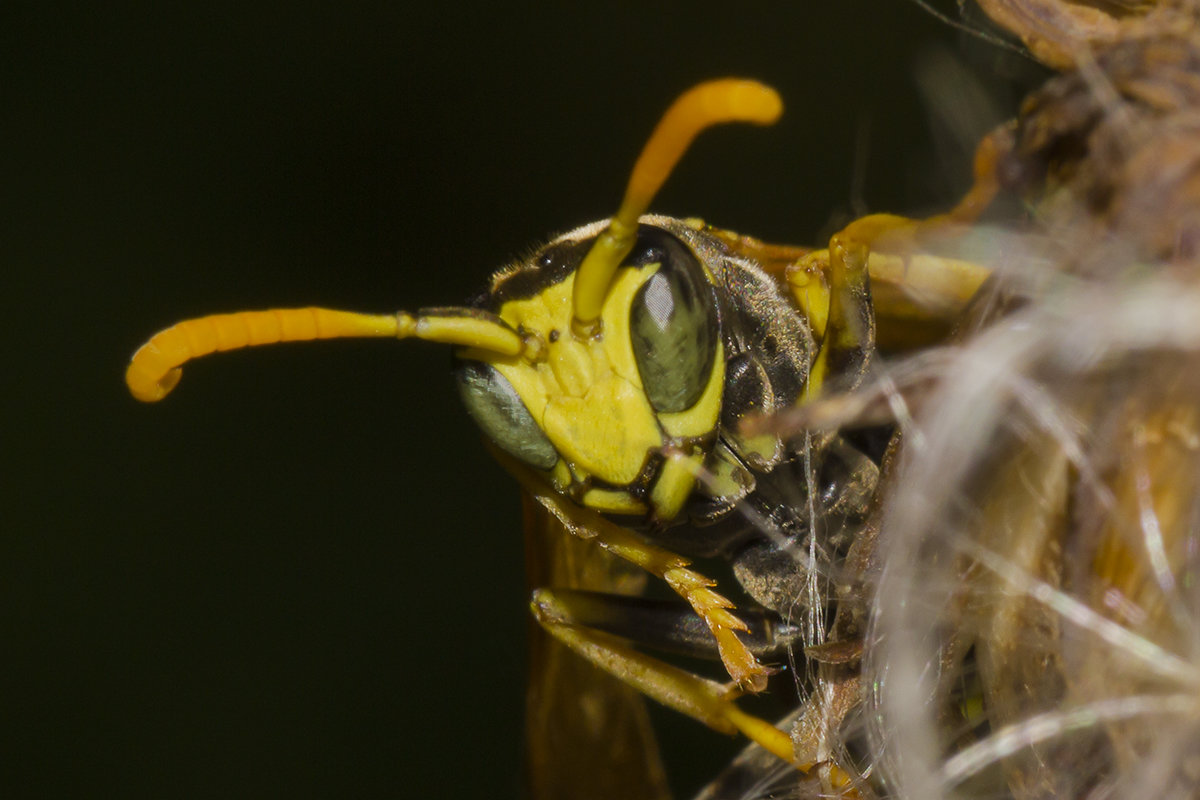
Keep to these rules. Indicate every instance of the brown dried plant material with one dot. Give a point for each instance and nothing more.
(1062, 33)
(1110, 151)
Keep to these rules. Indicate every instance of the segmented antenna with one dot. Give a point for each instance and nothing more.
(701, 107)
(155, 367)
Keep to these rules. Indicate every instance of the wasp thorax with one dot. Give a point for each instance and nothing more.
(597, 414)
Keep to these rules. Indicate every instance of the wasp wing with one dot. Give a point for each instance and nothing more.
(587, 735)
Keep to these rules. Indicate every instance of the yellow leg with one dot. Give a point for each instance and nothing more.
(988, 154)
(707, 701)
(696, 589)
(703, 700)
(848, 332)
(914, 295)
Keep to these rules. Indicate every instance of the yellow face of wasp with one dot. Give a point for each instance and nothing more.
(621, 421)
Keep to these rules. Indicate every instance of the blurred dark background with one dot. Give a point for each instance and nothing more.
(301, 574)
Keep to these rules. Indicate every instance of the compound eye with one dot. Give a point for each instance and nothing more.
(672, 323)
(497, 408)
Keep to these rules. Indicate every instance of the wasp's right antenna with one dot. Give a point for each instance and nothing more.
(712, 103)
(156, 366)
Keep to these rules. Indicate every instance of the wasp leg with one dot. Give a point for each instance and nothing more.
(706, 701)
(848, 335)
(917, 291)
(696, 589)
(756, 773)
(989, 154)
(666, 625)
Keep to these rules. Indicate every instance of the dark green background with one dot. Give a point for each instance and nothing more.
(301, 575)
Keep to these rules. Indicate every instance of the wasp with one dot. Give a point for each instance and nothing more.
(614, 374)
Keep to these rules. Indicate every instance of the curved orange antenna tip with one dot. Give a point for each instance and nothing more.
(155, 367)
(703, 106)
